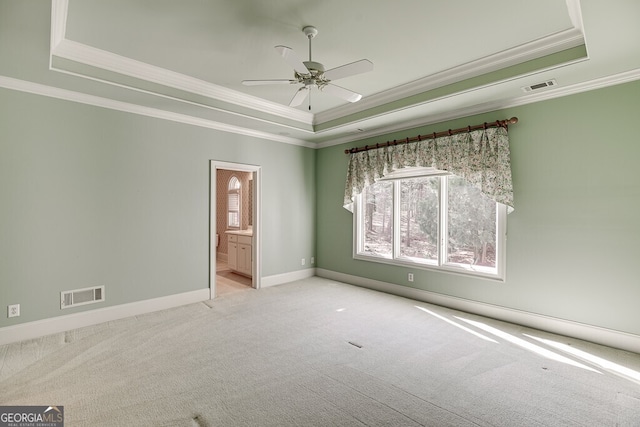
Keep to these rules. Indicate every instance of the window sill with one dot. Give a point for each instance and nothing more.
(463, 270)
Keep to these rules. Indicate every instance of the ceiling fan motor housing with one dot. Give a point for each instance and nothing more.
(315, 76)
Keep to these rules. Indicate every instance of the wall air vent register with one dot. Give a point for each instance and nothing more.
(538, 86)
(84, 296)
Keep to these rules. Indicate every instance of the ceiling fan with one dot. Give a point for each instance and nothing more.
(313, 74)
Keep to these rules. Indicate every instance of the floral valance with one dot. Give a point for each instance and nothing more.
(481, 157)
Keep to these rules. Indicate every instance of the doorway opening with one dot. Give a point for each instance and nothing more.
(234, 241)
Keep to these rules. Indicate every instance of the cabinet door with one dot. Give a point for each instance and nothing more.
(244, 259)
(232, 257)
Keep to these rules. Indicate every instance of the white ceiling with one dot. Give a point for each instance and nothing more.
(433, 60)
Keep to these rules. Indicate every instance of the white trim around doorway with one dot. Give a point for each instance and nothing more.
(257, 229)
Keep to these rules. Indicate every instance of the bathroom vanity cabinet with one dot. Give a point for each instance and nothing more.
(239, 251)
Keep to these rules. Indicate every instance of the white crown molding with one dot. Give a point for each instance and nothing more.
(87, 55)
(52, 92)
(198, 104)
(612, 80)
(575, 14)
(596, 334)
(541, 47)
(615, 79)
(536, 49)
(67, 95)
(94, 57)
(59, 10)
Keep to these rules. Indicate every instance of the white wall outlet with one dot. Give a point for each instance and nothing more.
(13, 310)
(313, 260)
(302, 262)
(410, 277)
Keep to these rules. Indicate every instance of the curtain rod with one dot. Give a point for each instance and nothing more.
(485, 125)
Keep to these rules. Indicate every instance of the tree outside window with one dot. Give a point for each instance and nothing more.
(432, 222)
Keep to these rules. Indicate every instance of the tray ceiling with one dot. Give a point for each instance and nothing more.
(433, 60)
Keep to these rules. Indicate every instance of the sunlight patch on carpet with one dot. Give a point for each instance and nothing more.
(457, 325)
(527, 345)
(603, 363)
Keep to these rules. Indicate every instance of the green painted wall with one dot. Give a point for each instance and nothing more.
(90, 196)
(573, 240)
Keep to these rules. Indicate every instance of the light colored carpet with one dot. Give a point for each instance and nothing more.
(319, 353)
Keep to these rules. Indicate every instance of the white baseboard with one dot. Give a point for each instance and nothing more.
(608, 337)
(595, 334)
(279, 279)
(54, 325)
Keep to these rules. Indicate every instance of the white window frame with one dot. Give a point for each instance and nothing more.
(497, 273)
(237, 192)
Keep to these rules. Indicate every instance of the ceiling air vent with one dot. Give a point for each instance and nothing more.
(538, 86)
(81, 297)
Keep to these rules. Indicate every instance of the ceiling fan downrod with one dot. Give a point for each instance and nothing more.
(310, 31)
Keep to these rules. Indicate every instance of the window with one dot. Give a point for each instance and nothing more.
(430, 220)
(233, 203)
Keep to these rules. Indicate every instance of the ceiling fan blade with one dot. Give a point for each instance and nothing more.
(268, 82)
(292, 59)
(358, 67)
(341, 92)
(299, 97)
